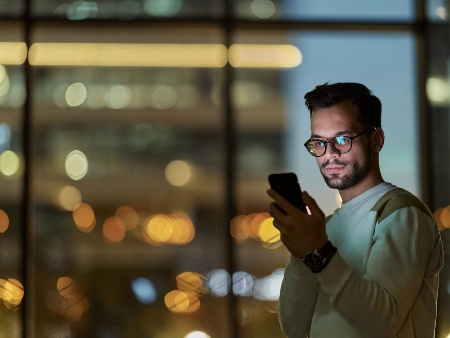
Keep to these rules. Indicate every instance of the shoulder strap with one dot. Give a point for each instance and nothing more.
(397, 199)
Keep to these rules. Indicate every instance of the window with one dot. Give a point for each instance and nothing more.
(148, 130)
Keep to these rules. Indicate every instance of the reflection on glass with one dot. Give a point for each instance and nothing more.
(126, 10)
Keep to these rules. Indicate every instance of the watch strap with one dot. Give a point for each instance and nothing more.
(317, 260)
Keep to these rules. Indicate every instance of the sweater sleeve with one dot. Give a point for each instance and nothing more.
(297, 299)
(406, 249)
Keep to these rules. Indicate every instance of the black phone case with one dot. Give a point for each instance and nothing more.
(286, 184)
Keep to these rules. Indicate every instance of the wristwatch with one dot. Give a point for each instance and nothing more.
(318, 259)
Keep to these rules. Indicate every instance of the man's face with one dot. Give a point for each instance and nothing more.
(342, 171)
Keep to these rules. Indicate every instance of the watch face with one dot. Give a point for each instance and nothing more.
(313, 261)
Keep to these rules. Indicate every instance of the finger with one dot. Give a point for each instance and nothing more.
(281, 202)
(312, 204)
(274, 211)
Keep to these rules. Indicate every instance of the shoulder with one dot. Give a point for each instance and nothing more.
(397, 199)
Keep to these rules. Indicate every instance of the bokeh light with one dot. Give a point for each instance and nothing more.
(191, 282)
(438, 91)
(163, 97)
(445, 216)
(113, 230)
(128, 216)
(144, 290)
(176, 228)
(263, 9)
(178, 301)
(160, 228)
(268, 287)
(4, 221)
(219, 282)
(73, 303)
(178, 173)
(242, 284)
(67, 288)
(119, 97)
(11, 292)
(84, 217)
(442, 217)
(75, 94)
(267, 232)
(9, 163)
(197, 334)
(76, 165)
(69, 197)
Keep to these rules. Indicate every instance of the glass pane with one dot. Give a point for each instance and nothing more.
(437, 10)
(353, 10)
(12, 97)
(273, 124)
(126, 10)
(438, 94)
(129, 187)
(12, 8)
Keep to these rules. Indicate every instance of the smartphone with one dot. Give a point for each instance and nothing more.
(286, 184)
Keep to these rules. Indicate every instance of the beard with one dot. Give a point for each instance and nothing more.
(356, 173)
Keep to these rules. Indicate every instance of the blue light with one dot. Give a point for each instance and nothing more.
(144, 290)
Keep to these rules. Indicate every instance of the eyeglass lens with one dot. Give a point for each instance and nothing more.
(340, 144)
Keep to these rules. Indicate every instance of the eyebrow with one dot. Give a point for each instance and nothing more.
(339, 133)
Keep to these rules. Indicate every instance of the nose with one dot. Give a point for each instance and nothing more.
(330, 152)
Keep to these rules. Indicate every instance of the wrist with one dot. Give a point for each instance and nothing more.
(317, 260)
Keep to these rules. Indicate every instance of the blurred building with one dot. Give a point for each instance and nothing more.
(136, 137)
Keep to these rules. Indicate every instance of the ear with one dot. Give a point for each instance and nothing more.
(378, 139)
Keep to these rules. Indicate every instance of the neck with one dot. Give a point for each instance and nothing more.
(368, 183)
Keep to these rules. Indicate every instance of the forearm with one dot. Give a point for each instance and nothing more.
(363, 303)
(297, 299)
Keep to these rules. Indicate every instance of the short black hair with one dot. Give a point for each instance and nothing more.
(327, 95)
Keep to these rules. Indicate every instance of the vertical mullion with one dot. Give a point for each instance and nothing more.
(423, 108)
(230, 165)
(28, 240)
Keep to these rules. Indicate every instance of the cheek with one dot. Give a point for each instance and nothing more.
(320, 161)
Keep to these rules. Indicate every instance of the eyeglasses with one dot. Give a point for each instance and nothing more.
(340, 144)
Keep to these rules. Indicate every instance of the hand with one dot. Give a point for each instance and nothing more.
(300, 232)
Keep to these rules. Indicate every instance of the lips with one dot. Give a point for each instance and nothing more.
(333, 168)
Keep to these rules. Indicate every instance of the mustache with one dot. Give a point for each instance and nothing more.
(328, 163)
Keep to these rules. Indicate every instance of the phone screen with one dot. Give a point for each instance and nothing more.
(286, 184)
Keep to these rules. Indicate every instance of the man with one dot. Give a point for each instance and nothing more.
(371, 268)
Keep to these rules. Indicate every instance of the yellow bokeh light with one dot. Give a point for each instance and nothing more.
(178, 173)
(129, 55)
(267, 232)
(76, 165)
(69, 197)
(264, 56)
(191, 282)
(13, 53)
(11, 292)
(6, 290)
(84, 217)
(9, 163)
(257, 219)
(160, 228)
(4, 221)
(181, 302)
(183, 229)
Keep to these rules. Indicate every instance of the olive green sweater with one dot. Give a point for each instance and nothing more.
(383, 281)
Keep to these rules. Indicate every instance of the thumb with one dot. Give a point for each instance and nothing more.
(312, 205)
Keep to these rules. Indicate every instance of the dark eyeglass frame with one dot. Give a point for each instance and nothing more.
(331, 140)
